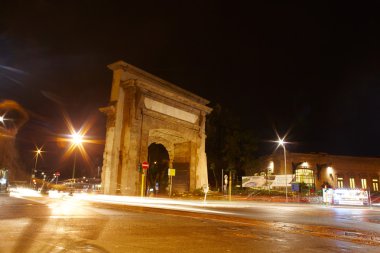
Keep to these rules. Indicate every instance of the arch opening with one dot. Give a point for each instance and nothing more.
(157, 176)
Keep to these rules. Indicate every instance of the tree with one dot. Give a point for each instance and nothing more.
(228, 145)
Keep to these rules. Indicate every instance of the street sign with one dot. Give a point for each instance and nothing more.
(296, 187)
(57, 173)
(171, 172)
(145, 165)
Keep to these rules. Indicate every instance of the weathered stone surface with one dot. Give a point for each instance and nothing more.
(145, 109)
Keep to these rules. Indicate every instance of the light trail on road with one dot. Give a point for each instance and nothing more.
(121, 223)
(190, 206)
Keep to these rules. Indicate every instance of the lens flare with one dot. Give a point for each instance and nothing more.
(77, 139)
(12, 117)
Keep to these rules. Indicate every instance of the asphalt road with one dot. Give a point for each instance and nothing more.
(74, 225)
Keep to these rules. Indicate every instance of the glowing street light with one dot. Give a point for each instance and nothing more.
(38, 152)
(281, 142)
(76, 141)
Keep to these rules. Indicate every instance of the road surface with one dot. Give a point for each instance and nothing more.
(70, 224)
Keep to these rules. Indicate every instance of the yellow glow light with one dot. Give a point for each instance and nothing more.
(77, 139)
(38, 152)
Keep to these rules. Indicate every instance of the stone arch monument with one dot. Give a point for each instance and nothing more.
(145, 109)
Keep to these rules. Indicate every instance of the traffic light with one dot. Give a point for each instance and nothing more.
(139, 168)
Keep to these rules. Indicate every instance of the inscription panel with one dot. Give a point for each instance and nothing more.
(170, 110)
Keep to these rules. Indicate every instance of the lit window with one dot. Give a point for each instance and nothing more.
(352, 182)
(364, 183)
(271, 167)
(305, 176)
(375, 184)
(340, 182)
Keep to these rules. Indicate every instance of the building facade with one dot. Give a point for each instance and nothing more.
(320, 169)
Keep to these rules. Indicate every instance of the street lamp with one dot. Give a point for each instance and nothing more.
(281, 142)
(76, 140)
(38, 152)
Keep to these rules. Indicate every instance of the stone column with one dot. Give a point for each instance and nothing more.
(107, 157)
(201, 170)
(114, 131)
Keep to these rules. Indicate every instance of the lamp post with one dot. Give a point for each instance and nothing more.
(76, 140)
(282, 143)
(38, 152)
(75, 161)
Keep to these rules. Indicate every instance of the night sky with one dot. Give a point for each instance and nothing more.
(310, 70)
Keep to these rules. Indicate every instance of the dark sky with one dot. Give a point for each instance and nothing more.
(311, 68)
